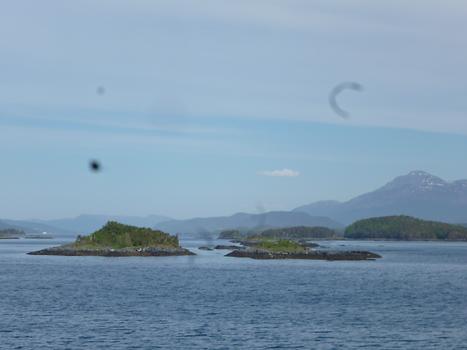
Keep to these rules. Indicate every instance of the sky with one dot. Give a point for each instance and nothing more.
(205, 108)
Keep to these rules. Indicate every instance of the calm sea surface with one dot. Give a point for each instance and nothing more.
(413, 298)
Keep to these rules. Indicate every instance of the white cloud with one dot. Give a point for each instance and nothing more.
(280, 173)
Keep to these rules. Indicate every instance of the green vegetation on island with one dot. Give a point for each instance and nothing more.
(115, 239)
(117, 236)
(280, 245)
(299, 232)
(404, 228)
(289, 249)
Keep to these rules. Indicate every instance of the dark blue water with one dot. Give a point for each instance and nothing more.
(413, 298)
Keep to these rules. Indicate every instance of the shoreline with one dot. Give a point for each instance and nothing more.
(110, 252)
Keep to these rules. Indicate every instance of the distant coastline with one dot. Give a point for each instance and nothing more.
(386, 228)
(404, 228)
(11, 234)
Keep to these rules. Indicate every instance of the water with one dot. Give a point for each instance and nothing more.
(413, 298)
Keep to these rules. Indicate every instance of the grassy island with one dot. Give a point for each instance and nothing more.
(117, 236)
(289, 249)
(115, 239)
(270, 248)
(280, 245)
(404, 228)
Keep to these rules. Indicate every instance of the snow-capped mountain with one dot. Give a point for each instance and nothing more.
(418, 194)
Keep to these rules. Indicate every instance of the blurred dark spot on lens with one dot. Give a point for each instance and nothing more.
(336, 91)
(94, 166)
(100, 90)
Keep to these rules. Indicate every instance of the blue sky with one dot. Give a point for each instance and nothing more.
(204, 101)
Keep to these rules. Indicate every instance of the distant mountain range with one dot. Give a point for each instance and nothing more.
(246, 221)
(83, 224)
(417, 194)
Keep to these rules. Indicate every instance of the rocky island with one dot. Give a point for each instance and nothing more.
(287, 249)
(115, 239)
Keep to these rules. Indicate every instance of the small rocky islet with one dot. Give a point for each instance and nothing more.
(263, 254)
(289, 249)
(289, 243)
(115, 239)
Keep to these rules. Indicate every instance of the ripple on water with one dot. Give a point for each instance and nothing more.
(415, 297)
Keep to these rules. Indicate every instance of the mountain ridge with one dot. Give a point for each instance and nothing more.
(417, 193)
(272, 219)
(88, 223)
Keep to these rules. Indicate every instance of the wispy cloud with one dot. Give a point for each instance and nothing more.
(280, 173)
(225, 76)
